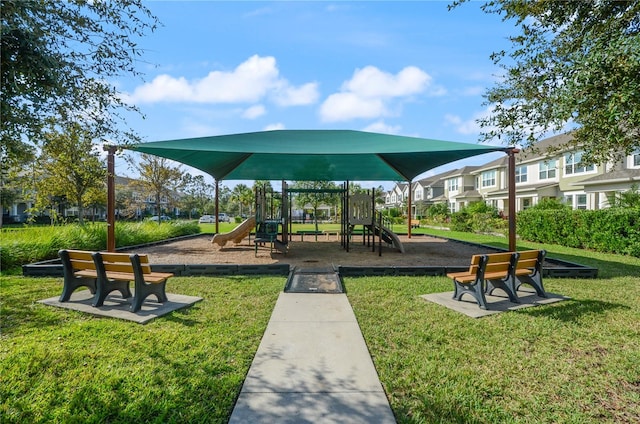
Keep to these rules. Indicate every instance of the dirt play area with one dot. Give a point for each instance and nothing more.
(419, 251)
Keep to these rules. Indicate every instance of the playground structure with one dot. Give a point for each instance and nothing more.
(269, 217)
(237, 234)
(361, 211)
(273, 211)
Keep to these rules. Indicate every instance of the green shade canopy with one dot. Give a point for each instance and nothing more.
(313, 155)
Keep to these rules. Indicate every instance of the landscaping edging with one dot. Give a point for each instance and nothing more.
(560, 268)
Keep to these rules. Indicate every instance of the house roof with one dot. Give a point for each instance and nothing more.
(498, 163)
(434, 179)
(468, 194)
(523, 188)
(621, 175)
(463, 171)
(544, 148)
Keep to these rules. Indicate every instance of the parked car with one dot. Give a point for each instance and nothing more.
(223, 217)
(161, 218)
(207, 219)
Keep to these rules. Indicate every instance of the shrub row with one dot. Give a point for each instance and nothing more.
(33, 244)
(614, 230)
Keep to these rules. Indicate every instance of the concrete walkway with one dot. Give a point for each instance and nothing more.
(312, 366)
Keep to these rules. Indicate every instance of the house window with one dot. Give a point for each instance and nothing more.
(489, 178)
(453, 184)
(526, 203)
(636, 158)
(573, 164)
(548, 169)
(568, 200)
(452, 207)
(418, 194)
(521, 174)
(581, 201)
(393, 198)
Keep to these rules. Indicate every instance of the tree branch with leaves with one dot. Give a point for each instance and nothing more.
(574, 64)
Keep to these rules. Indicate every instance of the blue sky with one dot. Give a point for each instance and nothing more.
(408, 68)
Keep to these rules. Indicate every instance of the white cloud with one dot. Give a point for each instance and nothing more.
(381, 127)
(252, 80)
(372, 93)
(296, 96)
(276, 126)
(372, 82)
(254, 112)
(347, 106)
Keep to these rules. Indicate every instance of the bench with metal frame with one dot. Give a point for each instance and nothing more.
(113, 272)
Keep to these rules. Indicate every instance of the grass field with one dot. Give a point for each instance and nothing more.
(576, 361)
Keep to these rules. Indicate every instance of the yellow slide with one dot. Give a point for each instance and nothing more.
(237, 234)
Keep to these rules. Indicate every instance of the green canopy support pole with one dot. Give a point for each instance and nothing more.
(111, 199)
(409, 211)
(512, 198)
(217, 204)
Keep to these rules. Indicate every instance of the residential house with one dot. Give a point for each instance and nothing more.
(427, 191)
(541, 172)
(460, 188)
(396, 197)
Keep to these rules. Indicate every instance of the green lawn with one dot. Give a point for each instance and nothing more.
(63, 366)
(575, 361)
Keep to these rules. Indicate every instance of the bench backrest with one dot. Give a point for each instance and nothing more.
(78, 259)
(121, 262)
(495, 262)
(531, 259)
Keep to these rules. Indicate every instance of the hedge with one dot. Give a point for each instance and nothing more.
(614, 230)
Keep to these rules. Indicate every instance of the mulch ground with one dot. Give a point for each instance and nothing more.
(419, 251)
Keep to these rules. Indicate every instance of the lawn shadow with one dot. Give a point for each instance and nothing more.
(571, 310)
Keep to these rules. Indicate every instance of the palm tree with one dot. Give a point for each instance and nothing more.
(242, 195)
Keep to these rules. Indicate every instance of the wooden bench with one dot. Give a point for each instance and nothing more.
(114, 271)
(415, 223)
(506, 271)
(74, 261)
(528, 271)
(497, 268)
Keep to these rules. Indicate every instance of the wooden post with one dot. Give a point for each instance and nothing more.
(284, 210)
(216, 203)
(409, 214)
(111, 198)
(512, 198)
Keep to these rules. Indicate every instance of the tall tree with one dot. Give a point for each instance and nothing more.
(575, 63)
(159, 178)
(242, 195)
(59, 59)
(197, 192)
(69, 167)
